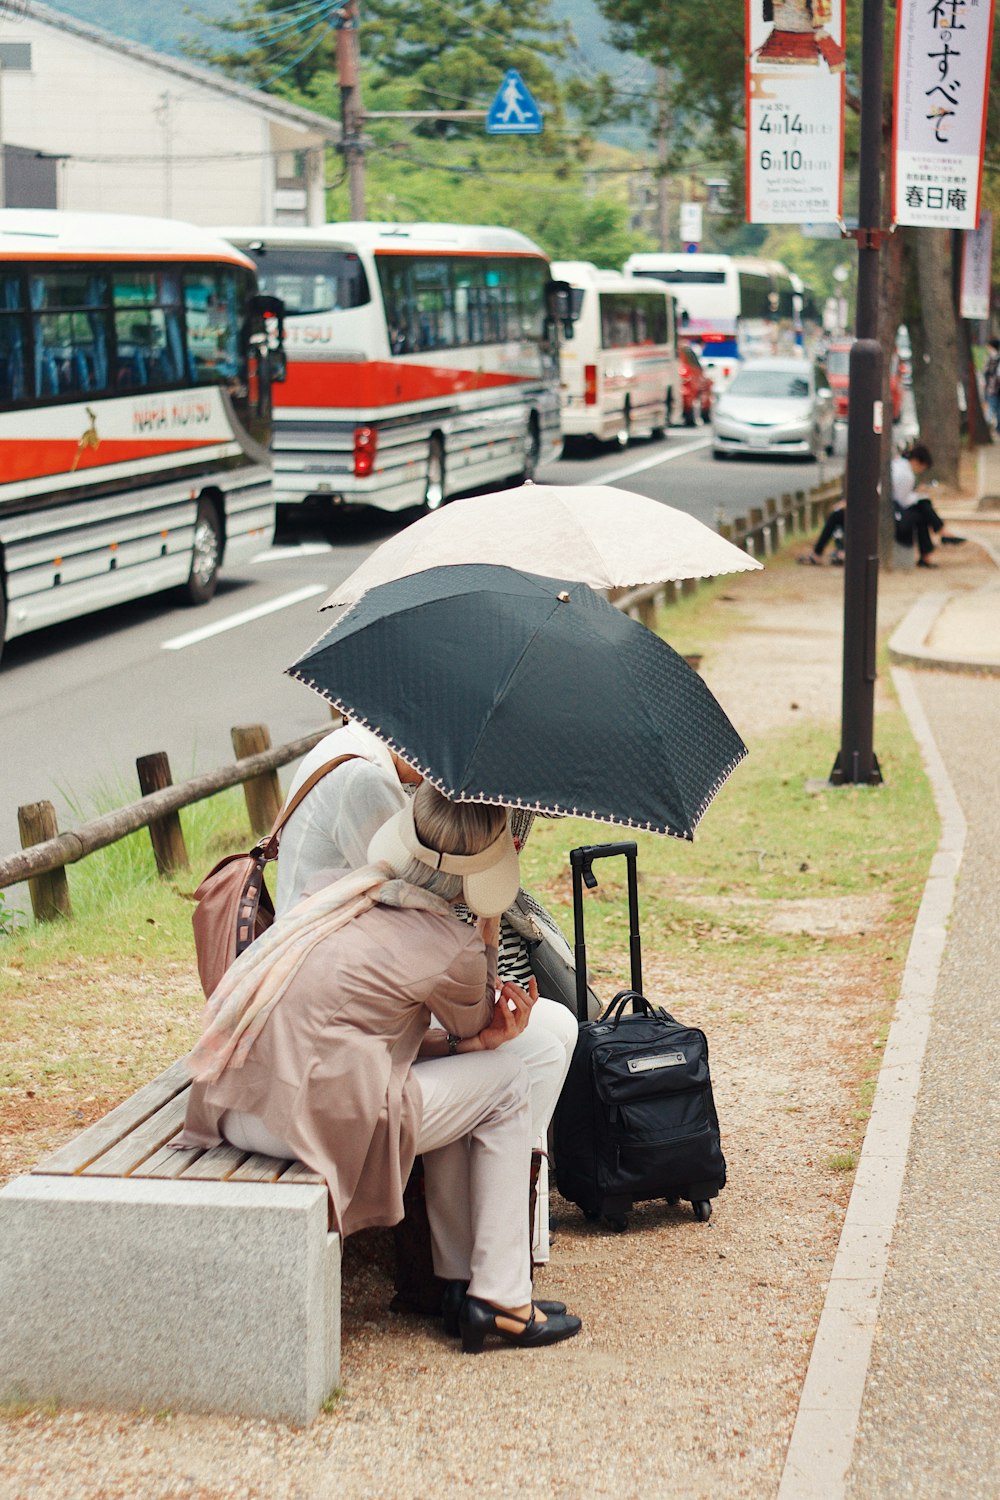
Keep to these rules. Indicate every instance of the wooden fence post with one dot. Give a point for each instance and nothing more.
(800, 510)
(757, 526)
(263, 793)
(646, 611)
(36, 822)
(165, 834)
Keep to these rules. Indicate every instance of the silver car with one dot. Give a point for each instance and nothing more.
(776, 407)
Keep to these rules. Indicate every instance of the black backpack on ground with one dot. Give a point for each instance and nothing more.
(636, 1118)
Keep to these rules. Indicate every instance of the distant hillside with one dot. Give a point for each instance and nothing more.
(164, 24)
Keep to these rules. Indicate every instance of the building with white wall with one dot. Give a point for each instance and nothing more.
(90, 121)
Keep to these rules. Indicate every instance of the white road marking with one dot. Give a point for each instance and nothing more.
(652, 463)
(303, 549)
(244, 617)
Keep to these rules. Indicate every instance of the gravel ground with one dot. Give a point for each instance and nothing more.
(696, 1338)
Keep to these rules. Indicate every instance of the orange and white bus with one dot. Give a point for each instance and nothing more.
(620, 374)
(136, 361)
(423, 359)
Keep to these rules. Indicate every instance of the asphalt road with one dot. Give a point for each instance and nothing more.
(81, 701)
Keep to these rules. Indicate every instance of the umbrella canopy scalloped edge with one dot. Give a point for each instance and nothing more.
(554, 810)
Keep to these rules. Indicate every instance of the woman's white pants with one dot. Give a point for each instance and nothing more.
(545, 1047)
(475, 1138)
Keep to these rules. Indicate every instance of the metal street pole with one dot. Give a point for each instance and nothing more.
(856, 760)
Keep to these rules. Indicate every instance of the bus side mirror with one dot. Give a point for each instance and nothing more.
(271, 311)
(559, 306)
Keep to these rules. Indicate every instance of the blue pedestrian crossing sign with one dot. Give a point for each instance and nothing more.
(513, 111)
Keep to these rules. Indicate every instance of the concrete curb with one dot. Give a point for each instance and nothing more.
(908, 643)
(822, 1443)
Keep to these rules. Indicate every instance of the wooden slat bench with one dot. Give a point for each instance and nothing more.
(132, 1274)
(131, 1141)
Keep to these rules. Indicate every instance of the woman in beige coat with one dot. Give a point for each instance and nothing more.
(314, 1030)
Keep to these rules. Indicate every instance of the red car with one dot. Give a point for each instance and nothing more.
(836, 364)
(696, 387)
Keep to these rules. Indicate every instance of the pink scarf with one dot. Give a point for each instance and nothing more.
(239, 1006)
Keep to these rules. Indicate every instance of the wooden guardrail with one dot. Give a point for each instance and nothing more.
(46, 852)
(761, 534)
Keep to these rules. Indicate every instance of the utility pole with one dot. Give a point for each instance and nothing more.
(856, 761)
(346, 21)
(662, 160)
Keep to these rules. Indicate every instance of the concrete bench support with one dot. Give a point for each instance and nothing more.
(205, 1296)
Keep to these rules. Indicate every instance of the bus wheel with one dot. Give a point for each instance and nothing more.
(659, 433)
(206, 553)
(532, 447)
(434, 483)
(624, 434)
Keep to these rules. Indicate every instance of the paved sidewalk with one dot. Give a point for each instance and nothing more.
(901, 1397)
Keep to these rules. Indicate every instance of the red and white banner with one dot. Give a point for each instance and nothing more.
(977, 270)
(939, 111)
(795, 111)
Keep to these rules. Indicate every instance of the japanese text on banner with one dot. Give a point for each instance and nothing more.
(977, 268)
(795, 111)
(939, 111)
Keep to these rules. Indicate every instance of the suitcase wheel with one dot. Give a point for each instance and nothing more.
(591, 1215)
(702, 1210)
(618, 1223)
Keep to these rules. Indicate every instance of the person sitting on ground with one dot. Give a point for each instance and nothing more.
(914, 513)
(311, 1046)
(832, 531)
(332, 828)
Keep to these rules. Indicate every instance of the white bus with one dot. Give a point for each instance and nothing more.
(423, 360)
(729, 307)
(619, 374)
(136, 360)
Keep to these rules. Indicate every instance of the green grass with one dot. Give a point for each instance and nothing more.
(765, 838)
(89, 1006)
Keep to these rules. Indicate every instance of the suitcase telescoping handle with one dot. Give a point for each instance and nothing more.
(582, 863)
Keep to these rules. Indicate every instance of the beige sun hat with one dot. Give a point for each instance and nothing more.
(490, 878)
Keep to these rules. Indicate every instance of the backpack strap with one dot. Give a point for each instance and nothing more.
(270, 844)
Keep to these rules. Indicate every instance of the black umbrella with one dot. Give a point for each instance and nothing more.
(503, 687)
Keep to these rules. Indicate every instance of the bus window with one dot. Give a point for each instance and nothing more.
(616, 320)
(148, 343)
(312, 281)
(13, 341)
(755, 295)
(432, 305)
(531, 281)
(651, 319)
(394, 280)
(71, 333)
(213, 322)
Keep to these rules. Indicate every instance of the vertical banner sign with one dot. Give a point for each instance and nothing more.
(691, 223)
(939, 111)
(795, 111)
(977, 267)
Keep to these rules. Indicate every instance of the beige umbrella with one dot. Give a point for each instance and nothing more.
(605, 537)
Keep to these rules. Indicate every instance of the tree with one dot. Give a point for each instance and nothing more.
(432, 54)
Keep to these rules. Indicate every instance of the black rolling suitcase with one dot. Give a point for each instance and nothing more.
(636, 1119)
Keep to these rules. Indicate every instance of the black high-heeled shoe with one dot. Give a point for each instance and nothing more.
(479, 1318)
(454, 1296)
